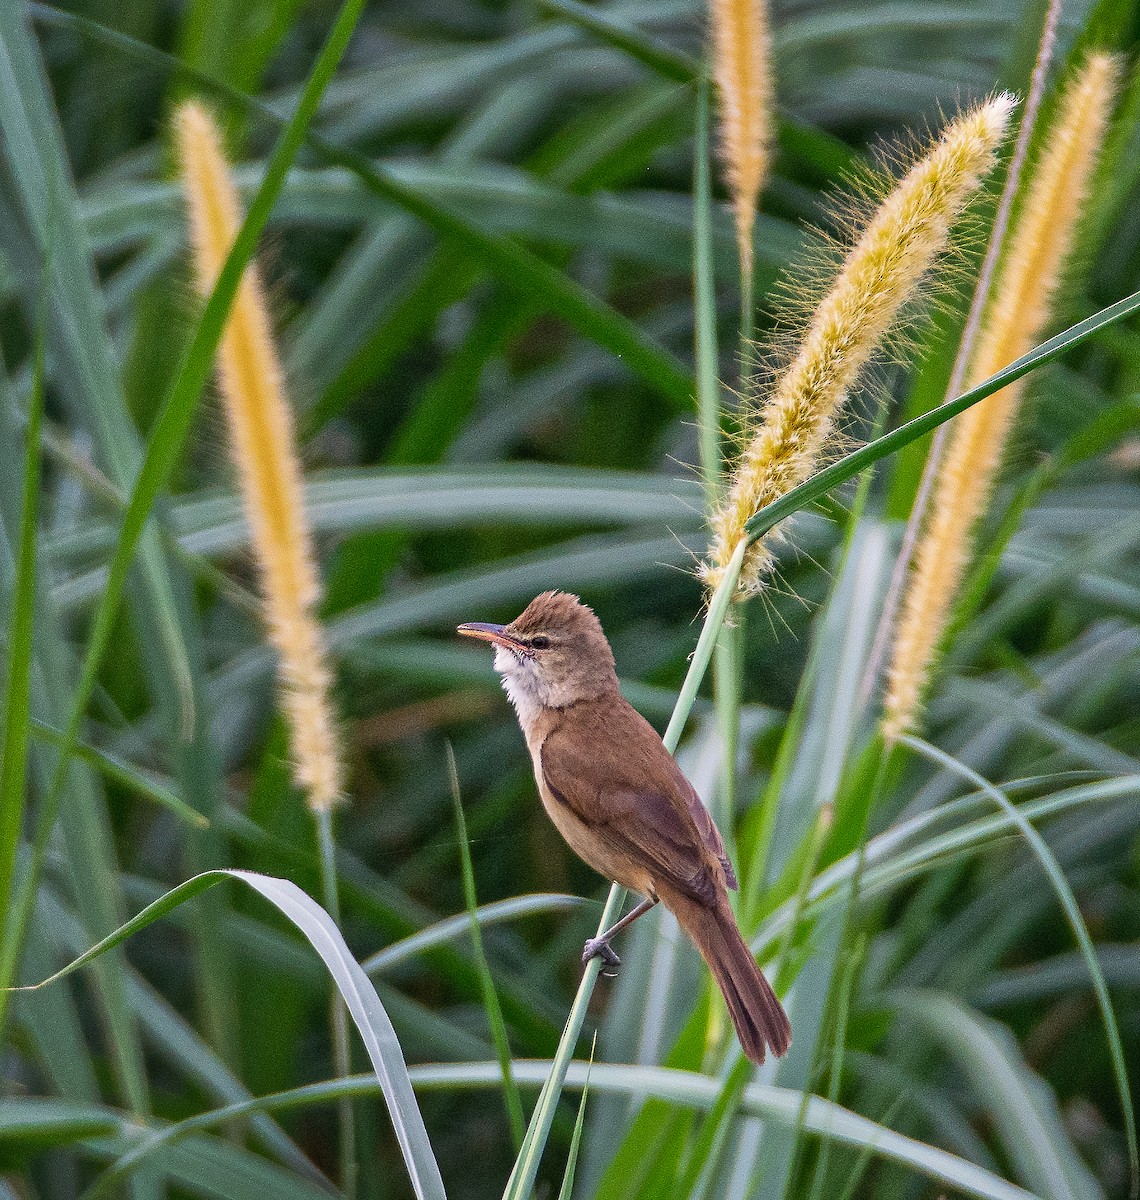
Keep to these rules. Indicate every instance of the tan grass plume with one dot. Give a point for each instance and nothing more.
(883, 270)
(743, 73)
(264, 449)
(1016, 317)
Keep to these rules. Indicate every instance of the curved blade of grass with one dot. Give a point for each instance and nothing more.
(851, 464)
(1021, 1105)
(31, 1125)
(1072, 913)
(486, 983)
(684, 1088)
(566, 1191)
(670, 64)
(359, 996)
(18, 682)
(129, 776)
(453, 927)
(181, 1047)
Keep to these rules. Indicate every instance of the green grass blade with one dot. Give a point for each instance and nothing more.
(566, 1191)
(487, 984)
(140, 782)
(359, 995)
(669, 64)
(30, 1125)
(687, 1089)
(454, 927)
(18, 679)
(1076, 922)
(851, 464)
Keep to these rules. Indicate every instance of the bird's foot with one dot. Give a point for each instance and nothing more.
(600, 948)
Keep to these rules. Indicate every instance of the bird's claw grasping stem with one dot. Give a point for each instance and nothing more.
(600, 948)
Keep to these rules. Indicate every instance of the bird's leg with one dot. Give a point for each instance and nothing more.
(600, 947)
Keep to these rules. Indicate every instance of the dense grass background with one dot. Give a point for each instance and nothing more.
(486, 312)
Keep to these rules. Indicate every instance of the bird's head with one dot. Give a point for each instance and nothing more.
(552, 655)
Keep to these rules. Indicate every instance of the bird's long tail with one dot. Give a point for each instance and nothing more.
(759, 1017)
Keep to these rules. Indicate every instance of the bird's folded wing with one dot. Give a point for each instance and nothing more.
(639, 803)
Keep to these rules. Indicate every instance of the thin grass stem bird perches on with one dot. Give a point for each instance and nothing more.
(883, 270)
(264, 449)
(741, 62)
(1034, 264)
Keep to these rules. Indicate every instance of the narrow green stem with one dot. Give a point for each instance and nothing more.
(704, 306)
(338, 1014)
(17, 698)
(726, 697)
(487, 984)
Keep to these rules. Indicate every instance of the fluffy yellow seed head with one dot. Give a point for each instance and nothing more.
(264, 450)
(741, 66)
(881, 273)
(1016, 317)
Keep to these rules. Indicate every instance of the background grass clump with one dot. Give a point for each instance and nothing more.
(503, 268)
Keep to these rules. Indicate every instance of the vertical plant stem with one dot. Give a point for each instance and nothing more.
(490, 998)
(704, 305)
(839, 1041)
(17, 694)
(338, 1014)
(965, 347)
(726, 693)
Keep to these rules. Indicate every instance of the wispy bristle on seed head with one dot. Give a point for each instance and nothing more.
(264, 450)
(1016, 317)
(880, 274)
(742, 69)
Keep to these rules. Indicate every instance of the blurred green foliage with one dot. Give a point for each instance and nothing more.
(481, 266)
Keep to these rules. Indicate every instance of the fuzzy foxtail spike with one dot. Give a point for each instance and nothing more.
(743, 72)
(264, 450)
(883, 270)
(1018, 315)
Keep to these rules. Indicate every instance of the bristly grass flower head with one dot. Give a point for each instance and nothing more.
(741, 61)
(1017, 316)
(264, 449)
(881, 273)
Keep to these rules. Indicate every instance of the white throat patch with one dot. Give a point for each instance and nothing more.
(521, 683)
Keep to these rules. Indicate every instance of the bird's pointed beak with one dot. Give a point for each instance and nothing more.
(492, 633)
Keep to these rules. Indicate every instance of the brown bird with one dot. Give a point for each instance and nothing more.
(620, 800)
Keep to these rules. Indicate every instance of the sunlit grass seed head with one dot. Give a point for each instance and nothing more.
(264, 449)
(882, 271)
(742, 69)
(1016, 317)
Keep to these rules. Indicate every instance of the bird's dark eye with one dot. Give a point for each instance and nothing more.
(540, 643)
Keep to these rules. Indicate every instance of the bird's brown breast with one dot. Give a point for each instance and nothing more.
(622, 803)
